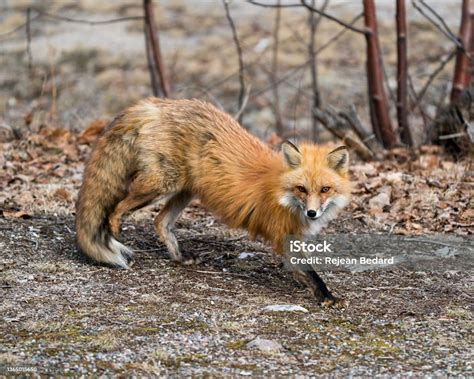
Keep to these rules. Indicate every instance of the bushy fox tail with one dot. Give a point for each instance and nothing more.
(104, 185)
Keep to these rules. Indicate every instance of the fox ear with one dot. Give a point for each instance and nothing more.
(291, 154)
(338, 159)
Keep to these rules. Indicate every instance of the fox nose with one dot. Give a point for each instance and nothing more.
(311, 213)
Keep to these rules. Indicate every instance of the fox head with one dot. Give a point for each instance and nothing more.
(315, 182)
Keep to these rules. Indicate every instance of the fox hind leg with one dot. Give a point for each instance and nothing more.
(139, 195)
(165, 221)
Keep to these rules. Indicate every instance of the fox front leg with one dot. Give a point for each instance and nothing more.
(317, 286)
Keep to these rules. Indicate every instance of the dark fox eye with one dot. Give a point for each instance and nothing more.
(325, 189)
(301, 189)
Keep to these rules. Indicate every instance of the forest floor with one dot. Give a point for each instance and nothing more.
(63, 315)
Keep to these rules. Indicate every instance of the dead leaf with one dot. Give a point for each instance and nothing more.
(430, 149)
(17, 214)
(62, 194)
(429, 161)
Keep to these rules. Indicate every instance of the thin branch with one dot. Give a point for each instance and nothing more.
(19, 27)
(90, 22)
(423, 114)
(244, 103)
(391, 94)
(459, 44)
(257, 59)
(28, 40)
(68, 19)
(321, 13)
(451, 136)
(433, 75)
(154, 47)
(239, 53)
(434, 23)
(313, 24)
(402, 75)
(183, 92)
(278, 5)
(332, 18)
(440, 19)
(151, 63)
(297, 69)
(274, 71)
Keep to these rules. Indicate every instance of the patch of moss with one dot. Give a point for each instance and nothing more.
(236, 345)
(175, 362)
(244, 366)
(145, 331)
(192, 325)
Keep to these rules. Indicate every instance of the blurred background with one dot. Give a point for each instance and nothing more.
(77, 61)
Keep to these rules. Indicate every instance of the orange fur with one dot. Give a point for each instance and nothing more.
(189, 148)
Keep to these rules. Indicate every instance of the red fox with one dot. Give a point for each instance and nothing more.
(183, 149)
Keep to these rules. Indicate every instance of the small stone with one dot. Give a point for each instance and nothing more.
(246, 255)
(262, 344)
(284, 308)
(6, 133)
(381, 200)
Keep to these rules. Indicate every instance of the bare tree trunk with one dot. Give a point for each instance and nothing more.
(471, 49)
(378, 101)
(155, 59)
(155, 87)
(402, 75)
(462, 70)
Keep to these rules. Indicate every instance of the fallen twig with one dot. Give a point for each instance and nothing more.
(367, 137)
(336, 125)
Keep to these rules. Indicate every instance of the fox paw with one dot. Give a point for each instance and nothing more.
(329, 301)
(326, 300)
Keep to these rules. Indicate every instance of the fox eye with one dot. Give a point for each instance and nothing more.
(325, 189)
(301, 189)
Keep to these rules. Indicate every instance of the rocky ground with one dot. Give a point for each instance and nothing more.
(62, 315)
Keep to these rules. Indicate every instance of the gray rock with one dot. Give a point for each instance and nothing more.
(246, 255)
(284, 308)
(265, 345)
